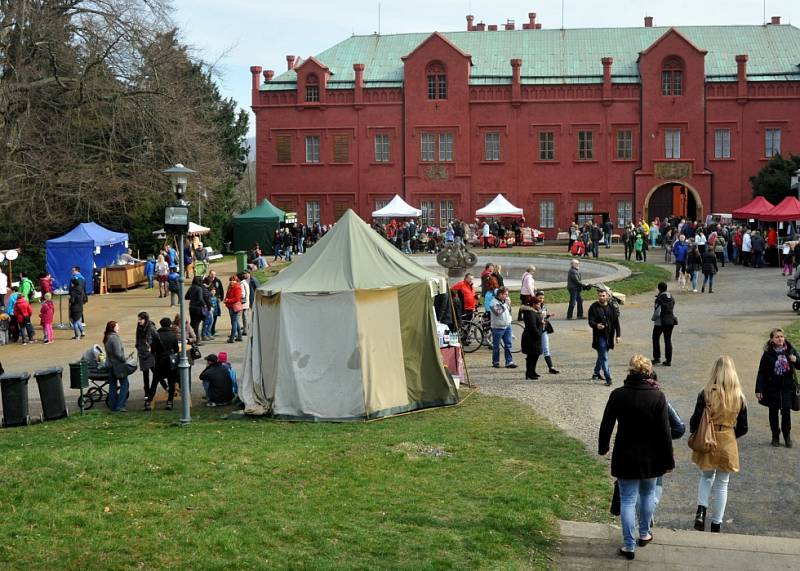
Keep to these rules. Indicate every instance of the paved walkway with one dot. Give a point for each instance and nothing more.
(763, 498)
(594, 546)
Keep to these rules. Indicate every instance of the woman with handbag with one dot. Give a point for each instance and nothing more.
(642, 449)
(664, 321)
(145, 336)
(722, 407)
(776, 384)
(117, 368)
(546, 331)
(199, 304)
(233, 301)
(531, 341)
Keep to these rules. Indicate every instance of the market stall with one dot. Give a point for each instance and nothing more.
(397, 208)
(756, 208)
(257, 225)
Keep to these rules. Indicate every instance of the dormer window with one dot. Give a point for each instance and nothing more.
(672, 77)
(437, 81)
(312, 89)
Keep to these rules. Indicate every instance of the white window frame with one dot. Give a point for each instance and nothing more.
(672, 143)
(491, 146)
(313, 212)
(445, 147)
(722, 143)
(585, 145)
(625, 144)
(428, 147)
(428, 217)
(382, 154)
(547, 213)
(624, 212)
(547, 146)
(585, 206)
(312, 149)
(446, 212)
(772, 142)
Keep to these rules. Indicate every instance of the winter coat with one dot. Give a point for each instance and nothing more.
(22, 309)
(233, 298)
(197, 298)
(643, 446)
(728, 426)
(710, 263)
(77, 295)
(220, 386)
(115, 356)
(680, 250)
(574, 280)
(500, 314)
(47, 312)
(777, 389)
(145, 336)
(165, 344)
(605, 315)
(532, 335)
(667, 304)
(694, 262)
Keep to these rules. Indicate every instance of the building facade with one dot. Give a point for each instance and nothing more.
(636, 122)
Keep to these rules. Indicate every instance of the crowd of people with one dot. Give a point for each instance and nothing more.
(411, 237)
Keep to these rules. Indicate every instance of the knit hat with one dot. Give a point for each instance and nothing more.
(223, 357)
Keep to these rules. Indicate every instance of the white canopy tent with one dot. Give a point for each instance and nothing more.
(194, 230)
(397, 208)
(499, 207)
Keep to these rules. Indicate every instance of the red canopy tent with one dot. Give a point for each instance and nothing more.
(756, 208)
(788, 209)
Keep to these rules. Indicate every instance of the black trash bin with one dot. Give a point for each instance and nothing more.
(14, 387)
(51, 391)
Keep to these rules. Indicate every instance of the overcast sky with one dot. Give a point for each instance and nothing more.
(236, 34)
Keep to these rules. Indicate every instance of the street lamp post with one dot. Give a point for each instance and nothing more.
(176, 219)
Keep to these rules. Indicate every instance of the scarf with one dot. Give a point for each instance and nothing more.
(781, 363)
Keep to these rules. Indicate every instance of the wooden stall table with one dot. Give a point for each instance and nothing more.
(124, 277)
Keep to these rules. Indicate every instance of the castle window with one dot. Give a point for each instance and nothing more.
(672, 77)
(312, 89)
(437, 81)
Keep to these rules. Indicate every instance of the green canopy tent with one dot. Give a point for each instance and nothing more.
(257, 225)
(347, 332)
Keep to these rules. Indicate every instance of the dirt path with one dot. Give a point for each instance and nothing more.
(734, 320)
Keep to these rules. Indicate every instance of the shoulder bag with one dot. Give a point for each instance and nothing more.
(704, 439)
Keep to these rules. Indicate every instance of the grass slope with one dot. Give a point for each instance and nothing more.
(474, 486)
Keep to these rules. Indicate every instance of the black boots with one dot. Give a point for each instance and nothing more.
(700, 519)
(788, 440)
(550, 368)
(776, 439)
(715, 527)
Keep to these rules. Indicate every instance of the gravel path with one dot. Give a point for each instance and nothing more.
(763, 498)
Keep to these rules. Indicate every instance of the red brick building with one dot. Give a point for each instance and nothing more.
(639, 122)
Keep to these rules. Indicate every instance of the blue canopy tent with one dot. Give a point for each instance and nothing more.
(87, 246)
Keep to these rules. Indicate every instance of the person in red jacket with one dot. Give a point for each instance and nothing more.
(23, 312)
(46, 314)
(465, 290)
(233, 301)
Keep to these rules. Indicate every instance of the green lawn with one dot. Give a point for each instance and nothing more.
(475, 486)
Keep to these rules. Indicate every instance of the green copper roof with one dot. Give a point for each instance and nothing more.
(564, 56)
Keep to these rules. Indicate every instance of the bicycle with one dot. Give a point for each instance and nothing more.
(482, 322)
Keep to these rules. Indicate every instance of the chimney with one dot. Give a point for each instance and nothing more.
(532, 20)
(509, 25)
(648, 21)
(255, 71)
(470, 20)
(358, 90)
(607, 61)
(741, 77)
(516, 88)
(480, 27)
(268, 75)
(290, 62)
(538, 27)
(492, 27)
(776, 21)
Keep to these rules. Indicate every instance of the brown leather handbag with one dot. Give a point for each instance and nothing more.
(704, 439)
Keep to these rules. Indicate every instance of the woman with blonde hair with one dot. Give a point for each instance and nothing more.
(642, 449)
(528, 289)
(727, 407)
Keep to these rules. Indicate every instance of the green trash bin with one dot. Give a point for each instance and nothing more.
(241, 261)
(79, 375)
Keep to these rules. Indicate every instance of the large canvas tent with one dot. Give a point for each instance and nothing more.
(756, 208)
(87, 246)
(499, 206)
(257, 225)
(397, 208)
(347, 332)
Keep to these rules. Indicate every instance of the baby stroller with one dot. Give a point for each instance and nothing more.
(98, 377)
(615, 298)
(793, 293)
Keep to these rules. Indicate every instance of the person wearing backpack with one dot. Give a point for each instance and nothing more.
(727, 411)
(173, 285)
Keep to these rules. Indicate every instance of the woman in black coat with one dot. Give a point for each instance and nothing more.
(664, 321)
(776, 384)
(531, 340)
(642, 449)
(709, 269)
(145, 336)
(199, 298)
(694, 263)
(77, 297)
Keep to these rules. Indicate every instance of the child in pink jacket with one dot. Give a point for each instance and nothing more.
(46, 315)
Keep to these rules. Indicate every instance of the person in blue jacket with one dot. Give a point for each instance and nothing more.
(680, 249)
(150, 271)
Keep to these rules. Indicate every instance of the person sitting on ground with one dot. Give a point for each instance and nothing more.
(217, 382)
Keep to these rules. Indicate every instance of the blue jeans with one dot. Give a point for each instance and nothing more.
(117, 392)
(236, 330)
(631, 492)
(150, 279)
(545, 344)
(301, 246)
(505, 335)
(602, 358)
(77, 328)
(208, 323)
(708, 278)
(575, 297)
(607, 237)
(595, 247)
(694, 279)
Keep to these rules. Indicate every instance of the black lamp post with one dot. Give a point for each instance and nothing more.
(176, 219)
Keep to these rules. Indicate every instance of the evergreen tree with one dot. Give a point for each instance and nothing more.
(774, 180)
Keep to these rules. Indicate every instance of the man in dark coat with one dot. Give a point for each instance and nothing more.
(165, 349)
(597, 235)
(664, 321)
(604, 321)
(575, 286)
(217, 382)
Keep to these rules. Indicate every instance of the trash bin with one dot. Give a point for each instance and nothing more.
(241, 261)
(79, 375)
(51, 392)
(14, 387)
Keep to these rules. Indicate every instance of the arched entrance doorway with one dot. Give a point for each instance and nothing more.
(673, 199)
